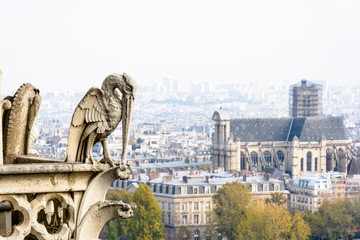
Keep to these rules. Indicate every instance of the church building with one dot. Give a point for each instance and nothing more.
(294, 145)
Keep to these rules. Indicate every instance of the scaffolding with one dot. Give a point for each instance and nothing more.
(305, 99)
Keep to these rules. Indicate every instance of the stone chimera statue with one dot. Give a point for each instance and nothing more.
(97, 116)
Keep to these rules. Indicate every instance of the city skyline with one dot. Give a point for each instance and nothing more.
(72, 46)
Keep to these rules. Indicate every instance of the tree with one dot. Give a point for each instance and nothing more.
(230, 203)
(146, 222)
(333, 220)
(183, 234)
(271, 221)
(117, 228)
(113, 233)
(277, 198)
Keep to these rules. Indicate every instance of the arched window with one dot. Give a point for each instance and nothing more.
(316, 163)
(254, 160)
(308, 161)
(302, 164)
(196, 235)
(267, 157)
(242, 161)
(280, 155)
(329, 160)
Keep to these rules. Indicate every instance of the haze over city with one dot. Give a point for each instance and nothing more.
(73, 45)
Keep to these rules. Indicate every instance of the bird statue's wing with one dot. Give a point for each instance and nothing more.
(92, 111)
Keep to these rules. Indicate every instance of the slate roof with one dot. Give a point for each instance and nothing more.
(308, 129)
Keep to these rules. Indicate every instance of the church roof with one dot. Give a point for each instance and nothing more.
(308, 129)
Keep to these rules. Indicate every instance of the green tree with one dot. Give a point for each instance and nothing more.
(113, 233)
(183, 234)
(117, 228)
(230, 203)
(333, 220)
(146, 222)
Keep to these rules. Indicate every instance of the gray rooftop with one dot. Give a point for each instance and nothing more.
(308, 129)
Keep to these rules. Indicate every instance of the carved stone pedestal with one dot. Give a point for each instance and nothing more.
(58, 200)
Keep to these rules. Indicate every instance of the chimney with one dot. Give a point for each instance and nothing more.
(207, 179)
(267, 176)
(185, 179)
(167, 178)
(153, 175)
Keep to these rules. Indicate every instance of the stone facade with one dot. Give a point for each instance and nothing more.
(294, 145)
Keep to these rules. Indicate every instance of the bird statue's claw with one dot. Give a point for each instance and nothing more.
(110, 161)
(91, 160)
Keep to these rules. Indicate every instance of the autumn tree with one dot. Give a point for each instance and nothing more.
(271, 221)
(278, 198)
(230, 204)
(146, 222)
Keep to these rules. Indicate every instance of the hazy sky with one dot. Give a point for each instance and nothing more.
(73, 45)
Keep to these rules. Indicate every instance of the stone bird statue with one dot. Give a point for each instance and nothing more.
(19, 119)
(97, 116)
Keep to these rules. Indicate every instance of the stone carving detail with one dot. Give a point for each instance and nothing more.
(40, 199)
(97, 116)
(19, 115)
(48, 216)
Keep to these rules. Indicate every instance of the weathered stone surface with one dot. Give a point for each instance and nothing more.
(18, 121)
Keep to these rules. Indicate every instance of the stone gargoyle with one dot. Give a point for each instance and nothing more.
(97, 116)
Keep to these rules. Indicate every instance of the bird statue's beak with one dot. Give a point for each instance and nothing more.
(127, 106)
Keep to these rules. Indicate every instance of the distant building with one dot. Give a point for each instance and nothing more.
(309, 191)
(293, 145)
(305, 99)
(186, 197)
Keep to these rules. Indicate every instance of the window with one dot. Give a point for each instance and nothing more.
(280, 155)
(197, 235)
(302, 164)
(316, 163)
(265, 187)
(254, 188)
(207, 218)
(207, 205)
(196, 219)
(325, 184)
(169, 206)
(276, 187)
(267, 157)
(318, 184)
(184, 190)
(196, 205)
(207, 190)
(254, 160)
(195, 190)
(184, 206)
(308, 161)
(242, 160)
(184, 219)
(169, 219)
(162, 205)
